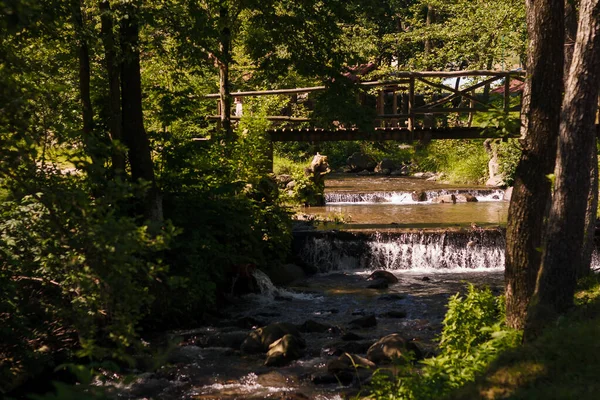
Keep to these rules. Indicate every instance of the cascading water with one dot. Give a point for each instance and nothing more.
(445, 250)
(403, 197)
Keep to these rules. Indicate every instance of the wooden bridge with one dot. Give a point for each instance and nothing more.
(409, 106)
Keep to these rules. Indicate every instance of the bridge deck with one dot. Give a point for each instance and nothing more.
(380, 134)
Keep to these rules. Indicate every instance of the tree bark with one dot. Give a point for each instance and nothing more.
(224, 62)
(114, 83)
(591, 216)
(83, 52)
(429, 19)
(566, 225)
(134, 133)
(540, 120)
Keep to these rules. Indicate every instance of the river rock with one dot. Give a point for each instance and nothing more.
(283, 179)
(385, 275)
(466, 198)
(290, 186)
(314, 326)
(378, 284)
(364, 322)
(393, 348)
(357, 347)
(348, 366)
(419, 196)
(359, 161)
(447, 198)
(248, 323)
(259, 340)
(284, 350)
(351, 336)
(394, 314)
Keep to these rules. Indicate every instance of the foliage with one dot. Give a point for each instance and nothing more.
(72, 265)
(547, 368)
(463, 161)
(472, 337)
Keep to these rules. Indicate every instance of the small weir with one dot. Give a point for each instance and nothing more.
(406, 197)
(446, 250)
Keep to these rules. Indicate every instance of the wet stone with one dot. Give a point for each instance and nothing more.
(350, 336)
(248, 322)
(313, 326)
(394, 314)
(364, 322)
(277, 379)
(378, 284)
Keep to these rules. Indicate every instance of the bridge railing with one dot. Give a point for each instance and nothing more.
(415, 100)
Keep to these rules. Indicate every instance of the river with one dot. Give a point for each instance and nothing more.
(432, 249)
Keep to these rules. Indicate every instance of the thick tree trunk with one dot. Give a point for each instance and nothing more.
(224, 62)
(114, 86)
(134, 132)
(591, 216)
(565, 235)
(540, 124)
(91, 142)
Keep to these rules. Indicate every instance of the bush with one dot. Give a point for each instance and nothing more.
(74, 272)
(473, 335)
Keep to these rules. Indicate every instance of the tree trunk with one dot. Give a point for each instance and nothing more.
(114, 83)
(224, 62)
(591, 216)
(566, 225)
(570, 31)
(429, 19)
(91, 142)
(540, 120)
(134, 132)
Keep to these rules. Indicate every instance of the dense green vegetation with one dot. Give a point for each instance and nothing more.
(122, 187)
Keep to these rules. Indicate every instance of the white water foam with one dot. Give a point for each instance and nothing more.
(482, 195)
(444, 252)
(268, 291)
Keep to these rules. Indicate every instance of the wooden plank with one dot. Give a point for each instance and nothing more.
(399, 78)
(269, 118)
(462, 92)
(381, 134)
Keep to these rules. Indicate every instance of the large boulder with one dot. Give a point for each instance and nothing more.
(259, 340)
(384, 275)
(284, 350)
(378, 284)
(359, 161)
(393, 348)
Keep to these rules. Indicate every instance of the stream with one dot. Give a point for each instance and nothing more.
(432, 249)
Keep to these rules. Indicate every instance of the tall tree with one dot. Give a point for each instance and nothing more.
(566, 225)
(114, 85)
(540, 120)
(134, 133)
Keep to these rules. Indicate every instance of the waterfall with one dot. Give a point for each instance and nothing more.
(265, 286)
(403, 197)
(439, 250)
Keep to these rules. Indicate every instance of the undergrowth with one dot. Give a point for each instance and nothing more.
(473, 335)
